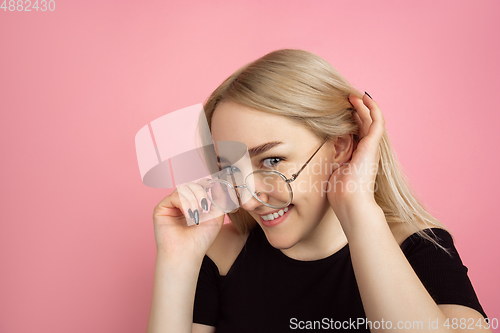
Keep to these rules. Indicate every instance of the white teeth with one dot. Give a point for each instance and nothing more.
(270, 217)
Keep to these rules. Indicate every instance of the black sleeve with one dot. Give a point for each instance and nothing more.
(206, 301)
(444, 276)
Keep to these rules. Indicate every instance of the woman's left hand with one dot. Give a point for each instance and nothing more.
(353, 184)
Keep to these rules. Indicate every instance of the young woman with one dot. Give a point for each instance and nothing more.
(346, 245)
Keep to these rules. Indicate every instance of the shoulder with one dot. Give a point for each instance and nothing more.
(442, 273)
(402, 232)
(226, 247)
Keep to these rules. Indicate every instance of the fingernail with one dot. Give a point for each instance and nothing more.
(190, 212)
(368, 94)
(196, 217)
(204, 204)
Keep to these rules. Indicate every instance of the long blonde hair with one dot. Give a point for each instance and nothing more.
(303, 86)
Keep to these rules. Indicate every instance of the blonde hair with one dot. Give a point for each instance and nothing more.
(303, 86)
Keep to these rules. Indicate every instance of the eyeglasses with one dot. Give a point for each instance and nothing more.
(269, 187)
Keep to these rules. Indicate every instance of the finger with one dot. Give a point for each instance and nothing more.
(173, 205)
(223, 195)
(363, 113)
(354, 112)
(170, 206)
(189, 203)
(357, 120)
(208, 211)
(378, 124)
(211, 214)
(221, 198)
(200, 195)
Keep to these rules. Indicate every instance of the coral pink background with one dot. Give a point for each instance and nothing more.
(77, 249)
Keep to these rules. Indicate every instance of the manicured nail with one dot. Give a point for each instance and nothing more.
(368, 94)
(204, 204)
(196, 217)
(190, 212)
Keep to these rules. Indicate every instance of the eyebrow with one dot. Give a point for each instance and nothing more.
(257, 150)
(263, 148)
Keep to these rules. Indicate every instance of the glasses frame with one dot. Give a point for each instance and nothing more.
(255, 195)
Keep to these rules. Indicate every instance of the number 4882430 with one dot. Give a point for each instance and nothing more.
(27, 6)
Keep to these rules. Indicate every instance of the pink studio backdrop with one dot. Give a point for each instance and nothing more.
(77, 247)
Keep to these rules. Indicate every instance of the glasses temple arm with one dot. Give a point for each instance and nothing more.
(295, 175)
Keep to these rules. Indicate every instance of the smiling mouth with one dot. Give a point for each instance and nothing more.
(276, 214)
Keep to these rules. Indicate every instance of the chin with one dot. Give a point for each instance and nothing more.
(281, 241)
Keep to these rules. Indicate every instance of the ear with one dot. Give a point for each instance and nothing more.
(343, 147)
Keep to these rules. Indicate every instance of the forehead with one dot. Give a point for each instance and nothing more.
(235, 122)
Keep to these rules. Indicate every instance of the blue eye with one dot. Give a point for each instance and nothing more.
(227, 173)
(235, 169)
(231, 170)
(272, 161)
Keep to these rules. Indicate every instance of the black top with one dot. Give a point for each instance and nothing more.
(267, 291)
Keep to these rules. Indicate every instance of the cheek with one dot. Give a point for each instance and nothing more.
(311, 190)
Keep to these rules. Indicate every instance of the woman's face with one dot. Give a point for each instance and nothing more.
(234, 122)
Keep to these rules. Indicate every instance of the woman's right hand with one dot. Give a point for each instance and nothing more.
(173, 236)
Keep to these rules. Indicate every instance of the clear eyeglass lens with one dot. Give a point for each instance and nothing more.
(222, 195)
(269, 188)
(231, 174)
